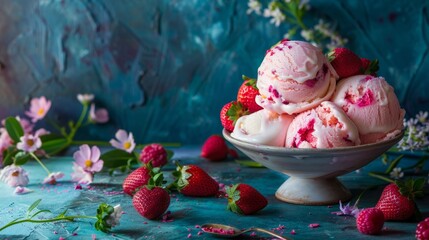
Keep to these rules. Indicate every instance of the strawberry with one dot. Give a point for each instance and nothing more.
(345, 62)
(151, 201)
(214, 148)
(154, 153)
(422, 230)
(369, 67)
(244, 199)
(135, 180)
(229, 114)
(397, 199)
(247, 93)
(194, 181)
(370, 221)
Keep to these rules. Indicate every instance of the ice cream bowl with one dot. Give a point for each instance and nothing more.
(313, 172)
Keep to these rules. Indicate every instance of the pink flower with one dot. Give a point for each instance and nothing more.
(89, 159)
(22, 190)
(85, 98)
(126, 142)
(40, 132)
(14, 176)
(81, 176)
(38, 108)
(29, 143)
(99, 116)
(53, 177)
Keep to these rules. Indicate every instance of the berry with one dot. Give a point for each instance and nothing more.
(247, 93)
(244, 199)
(154, 153)
(370, 221)
(422, 230)
(369, 67)
(397, 199)
(229, 114)
(151, 203)
(345, 62)
(194, 181)
(214, 148)
(135, 180)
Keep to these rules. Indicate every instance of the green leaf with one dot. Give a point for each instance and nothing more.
(117, 158)
(170, 154)
(53, 144)
(33, 205)
(38, 212)
(8, 156)
(14, 129)
(21, 158)
(394, 164)
(249, 163)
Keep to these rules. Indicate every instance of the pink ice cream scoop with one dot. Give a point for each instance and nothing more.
(263, 127)
(293, 77)
(326, 126)
(372, 105)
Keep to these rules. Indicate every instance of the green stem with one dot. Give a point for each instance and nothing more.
(40, 162)
(372, 174)
(66, 218)
(79, 122)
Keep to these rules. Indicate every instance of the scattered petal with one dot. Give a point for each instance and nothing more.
(22, 190)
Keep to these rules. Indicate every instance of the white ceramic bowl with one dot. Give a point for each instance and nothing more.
(312, 172)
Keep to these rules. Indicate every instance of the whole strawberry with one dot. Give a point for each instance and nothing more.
(370, 221)
(397, 199)
(345, 62)
(229, 114)
(151, 201)
(244, 199)
(155, 154)
(135, 180)
(422, 230)
(214, 148)
(247, 93)
(193, 181)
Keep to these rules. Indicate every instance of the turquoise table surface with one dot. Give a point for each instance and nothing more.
(188, 213)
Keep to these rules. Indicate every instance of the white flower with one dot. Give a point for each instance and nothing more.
(307, 34)
(254, 6)
(277, 16)
(115, 216)
(85, 98)
(14, 176)
(396, 173)
(124, 141)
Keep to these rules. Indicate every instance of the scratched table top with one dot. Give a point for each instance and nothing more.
(187, 214)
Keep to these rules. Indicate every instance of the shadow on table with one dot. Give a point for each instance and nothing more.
(11, 237)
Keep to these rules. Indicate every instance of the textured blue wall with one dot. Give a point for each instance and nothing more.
(164, 69)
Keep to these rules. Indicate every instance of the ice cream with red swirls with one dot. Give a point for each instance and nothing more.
(372, 104)
(293, 77)
(326, 126)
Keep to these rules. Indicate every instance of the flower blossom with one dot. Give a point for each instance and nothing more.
(29, 143)
(277, 16)
(115, 216)
(38, 108)
(347, 210)
(125, 141)
(89, 158)
(396, 173)
(85, 98)
(80, 176)
(53, 177)
(14, 176)
(254, 6)
(99, 116)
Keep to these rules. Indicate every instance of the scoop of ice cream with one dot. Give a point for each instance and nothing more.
(326, 126)
(293, 77)
(263, 127)
(372, 105)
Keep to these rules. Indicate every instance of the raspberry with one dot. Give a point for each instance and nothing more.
(154, 153)
(370, 221)
(422, 231)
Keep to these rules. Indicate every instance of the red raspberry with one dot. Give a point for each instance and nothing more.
(422, 231)
(154, 153)
(370, 221)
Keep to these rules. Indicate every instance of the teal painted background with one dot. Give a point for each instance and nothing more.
(164, 69)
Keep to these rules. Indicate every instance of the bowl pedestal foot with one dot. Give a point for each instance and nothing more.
(313, 191)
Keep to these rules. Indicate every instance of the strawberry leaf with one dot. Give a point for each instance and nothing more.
(236, 111)
(411, 188)
(372, 67)
(251, 82)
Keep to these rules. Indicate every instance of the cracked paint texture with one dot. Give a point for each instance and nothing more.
(164, 69)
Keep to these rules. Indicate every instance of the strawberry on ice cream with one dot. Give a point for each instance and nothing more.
(293, 77)
(263, 127)
(372, 105)
(326, 126)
